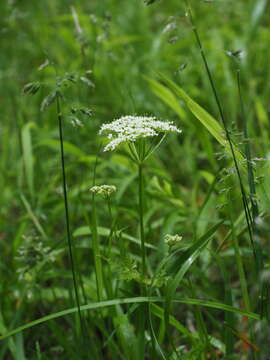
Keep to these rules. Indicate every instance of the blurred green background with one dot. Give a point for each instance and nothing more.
(114, 47)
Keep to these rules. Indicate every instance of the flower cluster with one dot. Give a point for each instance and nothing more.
(172, 240)
(130, 128)
(104, 190)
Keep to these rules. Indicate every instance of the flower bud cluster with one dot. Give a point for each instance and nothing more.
(172, 240)
(104, 190)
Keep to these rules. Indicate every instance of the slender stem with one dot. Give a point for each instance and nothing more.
(239, 262)
(143, 309)
(241, 272)
(96, 250)
(254, 204)
(75, 284)
(111, 227)
(95, 241)
(141, 215)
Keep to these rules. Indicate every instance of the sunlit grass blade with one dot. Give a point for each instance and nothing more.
(204, 117)
(103, 231)
(28, 156)
(167, 96)
(257, 12)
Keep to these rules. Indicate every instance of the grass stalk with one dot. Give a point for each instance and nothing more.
(251, 180)
(241, 271)
(69, 240)
(239, 262)
(227, 133)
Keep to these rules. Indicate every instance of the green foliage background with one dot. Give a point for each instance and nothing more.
(117, 51)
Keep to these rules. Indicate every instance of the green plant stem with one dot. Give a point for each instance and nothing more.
(109, 286)
(141, 215)
(75, 284)
(95, 239)
(111, 226)
(143, 309)
(241, 271)
(239, 262)
(251, 180)
(96, 250)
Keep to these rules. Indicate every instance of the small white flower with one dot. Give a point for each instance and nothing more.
(75, 122)
(172, 239)
(170, 27)
(104, 190)
(130, 128)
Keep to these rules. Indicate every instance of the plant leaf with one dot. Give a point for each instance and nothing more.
(204, 117)
(186, 260)
(28, 158)
(133, 300)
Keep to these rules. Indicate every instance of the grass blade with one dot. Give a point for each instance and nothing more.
(207, 120)
(133, 300)
(28, 157)
(188, 258)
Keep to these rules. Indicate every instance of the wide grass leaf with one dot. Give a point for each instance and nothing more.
(207, 120)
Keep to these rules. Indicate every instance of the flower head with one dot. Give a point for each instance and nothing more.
(130, 128)
(172, 239)
(104, 190)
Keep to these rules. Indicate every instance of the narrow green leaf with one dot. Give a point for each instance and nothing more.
(68, 147)
(167, 96)
(28, 157)
(188, 258)
(257, 12)
(211, 124)
(31, 88)
(103, 231)
(33, 216)
(185, 261)
(133, 300)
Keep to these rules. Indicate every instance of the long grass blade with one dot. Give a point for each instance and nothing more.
(133, 300)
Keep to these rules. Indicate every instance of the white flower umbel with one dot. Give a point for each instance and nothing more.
(131, 128)
(172, 240)
(104, 190)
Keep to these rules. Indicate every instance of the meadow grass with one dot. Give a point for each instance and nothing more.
(171, 260)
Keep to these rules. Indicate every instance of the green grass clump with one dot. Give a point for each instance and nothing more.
(171, 261)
